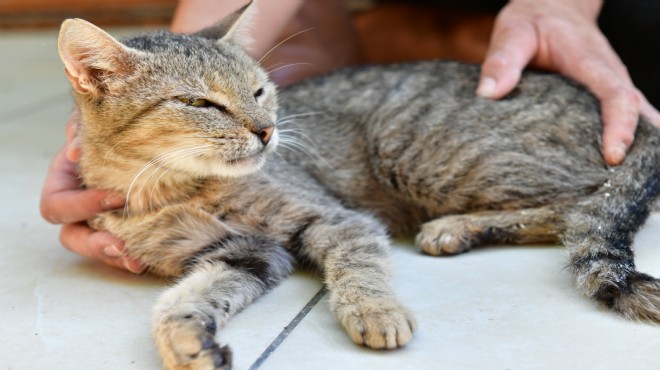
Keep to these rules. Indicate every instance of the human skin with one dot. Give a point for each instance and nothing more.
(557, 35)
(563, 36)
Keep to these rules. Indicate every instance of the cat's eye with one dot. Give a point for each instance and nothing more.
(202, 103)
(258, 93)
(195, 102)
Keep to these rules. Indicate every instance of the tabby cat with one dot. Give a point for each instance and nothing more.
(186, 127)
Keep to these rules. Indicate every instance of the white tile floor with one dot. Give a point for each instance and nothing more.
(493, 308)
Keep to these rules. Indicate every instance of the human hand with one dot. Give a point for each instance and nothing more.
(63, 201)
(563, 36)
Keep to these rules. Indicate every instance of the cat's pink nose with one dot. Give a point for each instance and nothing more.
(265, 134)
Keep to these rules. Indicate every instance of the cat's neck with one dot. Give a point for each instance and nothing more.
(147, 188)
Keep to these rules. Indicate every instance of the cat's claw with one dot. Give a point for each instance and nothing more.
(377, 323)
(187, 341)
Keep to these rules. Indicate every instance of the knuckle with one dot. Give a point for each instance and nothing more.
(46, 213)
(554, 24)
(496, 61)
(627, 137)
(630, 95)
(500, 60)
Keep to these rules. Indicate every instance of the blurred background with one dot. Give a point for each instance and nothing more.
(31, 14)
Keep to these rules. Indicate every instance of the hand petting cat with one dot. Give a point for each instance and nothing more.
(64, 201)
(563, 36)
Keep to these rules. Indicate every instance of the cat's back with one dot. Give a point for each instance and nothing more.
(404, 102)
(418, 126)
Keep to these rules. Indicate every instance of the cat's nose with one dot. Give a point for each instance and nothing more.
(265, 133)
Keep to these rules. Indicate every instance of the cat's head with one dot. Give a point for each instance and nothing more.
(194, 104)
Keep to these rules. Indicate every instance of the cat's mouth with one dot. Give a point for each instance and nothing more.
(242, 165)
(248, 160)
(241, 161)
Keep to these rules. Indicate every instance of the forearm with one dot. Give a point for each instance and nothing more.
(272, 16)
(587, 8)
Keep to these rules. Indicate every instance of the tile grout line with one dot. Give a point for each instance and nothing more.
(288, 329)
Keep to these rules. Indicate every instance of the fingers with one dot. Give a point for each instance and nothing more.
(99, 245)
(620, 111)
(649, 112)
(62, 199)
(73, 142)
(513, 44)
(558, 38)
(64, 202)
(620, 101)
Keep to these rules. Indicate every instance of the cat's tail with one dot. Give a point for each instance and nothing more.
(600, 231)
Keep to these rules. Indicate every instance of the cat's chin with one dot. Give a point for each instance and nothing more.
(242, 167)
(246, 165)
(237, 168)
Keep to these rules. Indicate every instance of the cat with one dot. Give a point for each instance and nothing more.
(187, 127)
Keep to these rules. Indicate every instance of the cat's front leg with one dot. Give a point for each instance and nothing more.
(352, 251)
(223, 279)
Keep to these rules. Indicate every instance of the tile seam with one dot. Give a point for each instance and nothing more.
(288, 329)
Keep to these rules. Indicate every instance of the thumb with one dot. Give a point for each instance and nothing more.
(73, 139)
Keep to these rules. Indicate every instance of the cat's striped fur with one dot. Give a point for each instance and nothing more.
(402, 148)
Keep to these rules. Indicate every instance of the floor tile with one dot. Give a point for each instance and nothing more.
(492, 308)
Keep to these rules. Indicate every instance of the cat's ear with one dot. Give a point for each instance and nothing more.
(91, 56)
(234, 27)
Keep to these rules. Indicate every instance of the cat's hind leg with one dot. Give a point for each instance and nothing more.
(223, 279)
(456, 234)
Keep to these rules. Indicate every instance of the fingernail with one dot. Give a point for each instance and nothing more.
(487, 87)
(618, 153)
(113, 201)
(73, 154)
(134, 266)
(112, 251)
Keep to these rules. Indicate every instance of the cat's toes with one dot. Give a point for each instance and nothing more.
(187, 341)
(377, 323)
(444, 237)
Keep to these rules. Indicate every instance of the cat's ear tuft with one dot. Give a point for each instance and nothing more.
(234, 27)
(91, 56)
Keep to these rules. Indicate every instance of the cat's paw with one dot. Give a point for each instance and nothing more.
(445, 236)
(187, 341)
(379, 323)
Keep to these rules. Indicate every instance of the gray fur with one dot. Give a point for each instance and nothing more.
(364, 152)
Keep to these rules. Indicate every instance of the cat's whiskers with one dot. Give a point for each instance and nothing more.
(282, 42)
(287, 65)
(167, 154)
(298, 144)
(297, 115)
(273, 66)
(105, 157)
(200, 150)
(166, 160)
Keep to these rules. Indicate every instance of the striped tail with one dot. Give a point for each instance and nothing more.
(601, 229)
